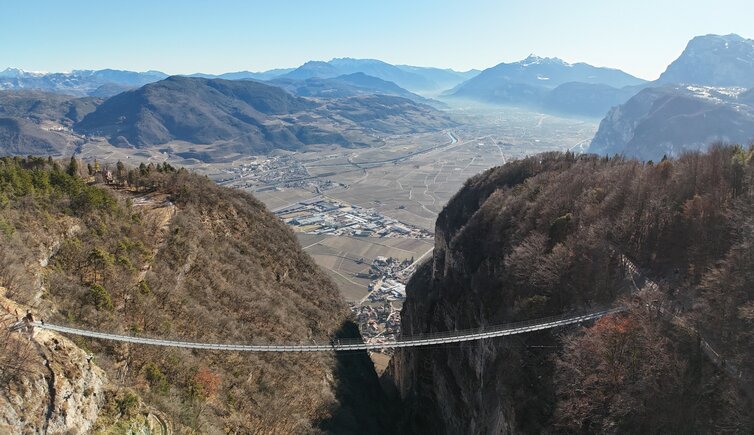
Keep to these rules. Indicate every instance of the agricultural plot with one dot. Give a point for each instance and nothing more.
(345, 258)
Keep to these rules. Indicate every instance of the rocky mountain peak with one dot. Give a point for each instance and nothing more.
(533, 59)
(714, 60)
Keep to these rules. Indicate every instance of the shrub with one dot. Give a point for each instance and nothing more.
(6, 228)
(127, 403)
(144, 288)
(157, 380)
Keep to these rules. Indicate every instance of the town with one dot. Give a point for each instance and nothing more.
(323, 215)
(379, 324)
(378, 313)
(274, 173)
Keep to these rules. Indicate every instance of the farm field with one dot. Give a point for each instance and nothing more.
(345, 257)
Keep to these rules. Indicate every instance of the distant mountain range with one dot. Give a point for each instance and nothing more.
(210, 118)
(234, 113)
(348, 85)
(550, 84)
(106, 83)
(701, 98)
(410, 77)
(103, 83)
(246, 75)
(548, 72)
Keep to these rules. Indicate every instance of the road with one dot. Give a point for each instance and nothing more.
(418, 260)
(360, 165)
(375, 287)
(312, 199)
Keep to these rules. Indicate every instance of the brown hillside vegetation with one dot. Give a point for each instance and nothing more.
(223, 269)
(545, 235)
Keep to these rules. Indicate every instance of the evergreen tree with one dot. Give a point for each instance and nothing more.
(73, 167)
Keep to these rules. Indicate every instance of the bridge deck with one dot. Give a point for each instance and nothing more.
(351, 344)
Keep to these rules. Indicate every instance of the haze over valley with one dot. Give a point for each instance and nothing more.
(357, 245)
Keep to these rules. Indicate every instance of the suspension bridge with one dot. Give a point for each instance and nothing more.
(352, 344)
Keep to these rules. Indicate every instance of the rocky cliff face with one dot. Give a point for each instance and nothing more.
(547, 235)
(494, 386)
(60, 390)
(673, 119)
(714, 60)
(698, 100)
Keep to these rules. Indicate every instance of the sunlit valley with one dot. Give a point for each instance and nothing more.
(361, 246)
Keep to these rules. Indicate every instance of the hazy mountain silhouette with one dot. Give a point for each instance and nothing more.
(346, 86)
(668, 120)
(549, 84)
(408, 77)
(714, 60)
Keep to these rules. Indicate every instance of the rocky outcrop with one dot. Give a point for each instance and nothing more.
(476, 387)
(57, 389)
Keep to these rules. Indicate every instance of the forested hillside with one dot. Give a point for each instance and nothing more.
(166, 253)
(556, 233)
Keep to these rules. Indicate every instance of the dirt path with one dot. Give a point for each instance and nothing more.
(160, 211)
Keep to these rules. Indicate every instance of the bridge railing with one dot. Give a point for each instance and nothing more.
(574, 317)
(354, 343)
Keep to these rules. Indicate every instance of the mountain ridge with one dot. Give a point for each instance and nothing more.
(194, 260)
(549, 84)
(231, 117)
(713, 60)
(347, 85)
(78, 83)
(669, 120)
(699, 99)
(545, 235)
(418, 79)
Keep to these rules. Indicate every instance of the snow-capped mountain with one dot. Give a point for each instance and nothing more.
(101, 83)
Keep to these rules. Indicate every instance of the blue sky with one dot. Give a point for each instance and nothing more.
(638, 36)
